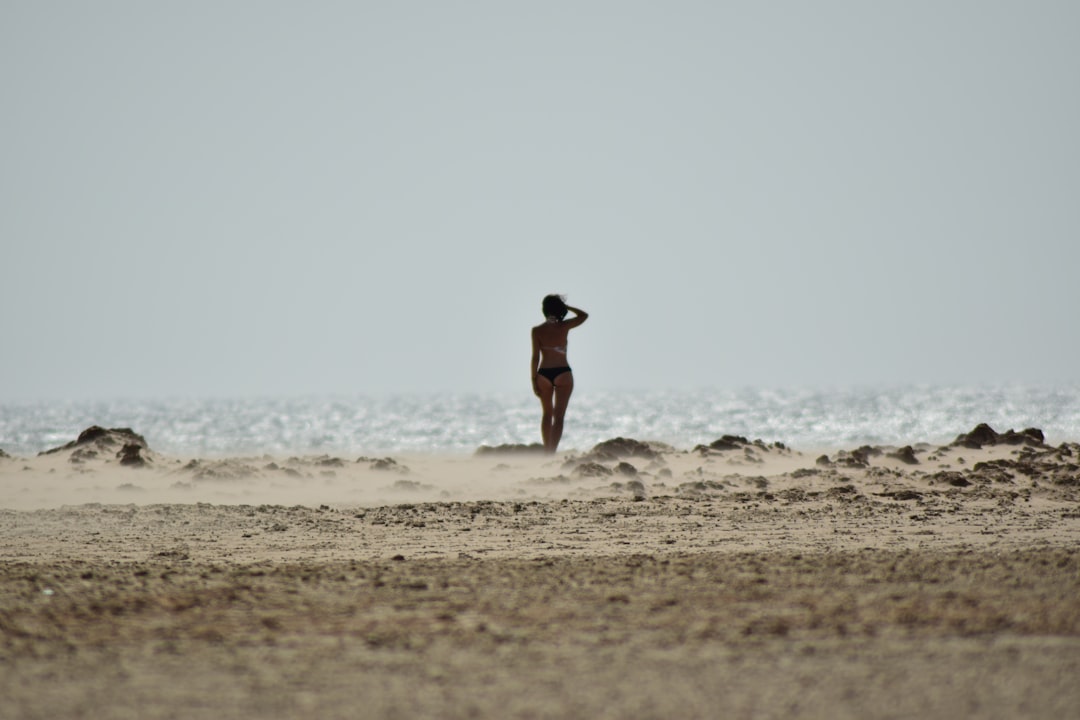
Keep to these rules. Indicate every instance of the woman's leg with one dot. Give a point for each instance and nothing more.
(547, 403)
(564, 386)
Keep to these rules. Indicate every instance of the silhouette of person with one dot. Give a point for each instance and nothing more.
(552, 379)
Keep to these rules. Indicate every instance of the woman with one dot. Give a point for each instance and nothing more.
(552, 379)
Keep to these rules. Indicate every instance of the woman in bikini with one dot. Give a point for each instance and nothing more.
(552, 380)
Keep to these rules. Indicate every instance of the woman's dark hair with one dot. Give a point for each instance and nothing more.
(555, 306)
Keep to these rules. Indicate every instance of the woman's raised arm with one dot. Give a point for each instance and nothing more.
(580, 316)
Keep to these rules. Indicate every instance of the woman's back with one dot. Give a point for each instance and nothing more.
(552, 339)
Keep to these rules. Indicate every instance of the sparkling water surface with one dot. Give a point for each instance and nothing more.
(460, 423)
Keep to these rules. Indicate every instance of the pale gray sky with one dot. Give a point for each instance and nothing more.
(276, 198)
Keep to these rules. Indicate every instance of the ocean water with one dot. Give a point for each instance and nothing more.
(460, 423)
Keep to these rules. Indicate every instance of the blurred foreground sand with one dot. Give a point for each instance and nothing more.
(636, 581)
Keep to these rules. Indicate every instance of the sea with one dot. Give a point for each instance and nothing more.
(380, 425)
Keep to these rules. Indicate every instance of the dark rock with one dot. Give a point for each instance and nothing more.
(905, 454)
(130, 455)
(388, 464)
(216, 470)
(1045, 467)
(591, 469)
(81, 455)
(1028, 436)
(853, 459)
(983, 434)
(729, 442)
(90, 434)
(624, 447)
(511, 449)
(1001, 471)
(102, 439)
(954, 479)
(625, 468)
(4, 455)
(824, 461)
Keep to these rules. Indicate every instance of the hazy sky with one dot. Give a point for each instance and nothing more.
(275, 198)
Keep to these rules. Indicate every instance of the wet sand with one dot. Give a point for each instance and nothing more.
(634, 581)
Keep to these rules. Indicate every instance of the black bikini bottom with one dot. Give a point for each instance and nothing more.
(552, 372)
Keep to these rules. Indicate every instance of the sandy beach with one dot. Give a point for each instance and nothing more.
(742, 578)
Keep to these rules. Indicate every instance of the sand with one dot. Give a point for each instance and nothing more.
(637, 580)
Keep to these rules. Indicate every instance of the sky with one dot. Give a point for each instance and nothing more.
(281, 198)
